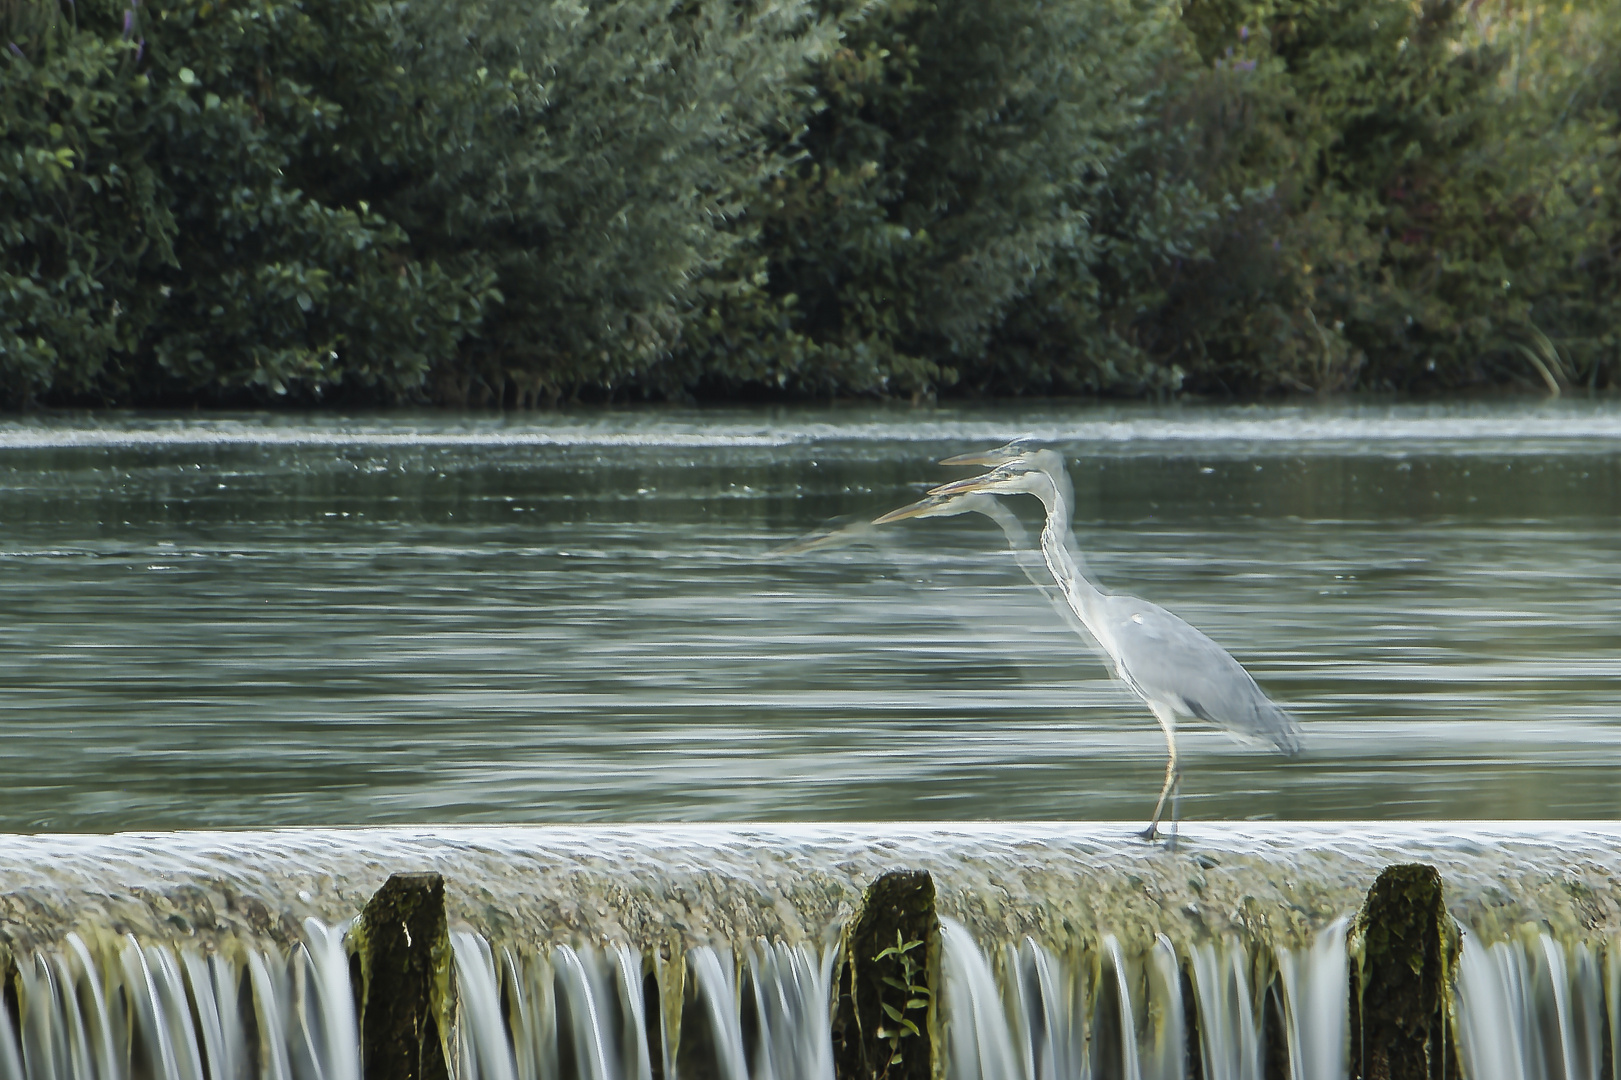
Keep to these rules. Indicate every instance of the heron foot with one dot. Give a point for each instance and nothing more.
(1154, 833)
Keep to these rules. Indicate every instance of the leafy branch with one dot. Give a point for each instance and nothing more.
(913, 993)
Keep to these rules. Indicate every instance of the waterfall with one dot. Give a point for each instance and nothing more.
(1612, 961)
(1050, 1022)
(582, 1013)
(567, 1013)
(1531, 1009)
(332, 1035)
(792, 994)
(92, 1010)
(979, 1043)
(1229, 1019)
(687, 952)
(1166, 1057)
(717, 991)
(1315, 982)
(1051, 1000)
(482, 1044)
(631, 987)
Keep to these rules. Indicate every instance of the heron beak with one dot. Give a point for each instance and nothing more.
(980, 457)
(916, 509)
(800, 547)
(1000, 455)
(965, 487)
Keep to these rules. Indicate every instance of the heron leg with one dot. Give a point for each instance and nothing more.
(1173, 772)
(1176, 809)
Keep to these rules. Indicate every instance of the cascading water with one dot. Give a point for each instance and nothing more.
(793, 990)
(1051, 996)
(577, 1013)
(1531, 1008)
(1230, 1016)
(687, 952)
(112, 1008)
(582, 1014)
(1119, 1015)
(979, 1039)
(1314, 989)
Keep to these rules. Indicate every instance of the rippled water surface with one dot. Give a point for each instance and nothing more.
(569, 617)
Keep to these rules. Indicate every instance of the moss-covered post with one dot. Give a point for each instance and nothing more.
(8, 989)
(404, 952)
(1403, 951)
(888, 983)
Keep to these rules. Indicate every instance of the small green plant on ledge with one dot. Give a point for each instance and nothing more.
(914, 995)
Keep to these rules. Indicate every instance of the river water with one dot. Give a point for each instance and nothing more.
(572, 617)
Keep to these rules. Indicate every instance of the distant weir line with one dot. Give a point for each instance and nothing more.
(1379, 432)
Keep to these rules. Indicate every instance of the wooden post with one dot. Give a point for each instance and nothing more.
(1403, 950)
(869, 1042)
(405, 960)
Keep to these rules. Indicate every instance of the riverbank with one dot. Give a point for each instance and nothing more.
(492, 204)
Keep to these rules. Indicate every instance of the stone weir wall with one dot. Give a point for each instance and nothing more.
(745, 952)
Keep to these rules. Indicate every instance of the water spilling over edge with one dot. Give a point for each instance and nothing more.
(602, 952)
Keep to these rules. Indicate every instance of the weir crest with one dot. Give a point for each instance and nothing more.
(791, 952)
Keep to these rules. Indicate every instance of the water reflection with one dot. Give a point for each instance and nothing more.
(262, 621)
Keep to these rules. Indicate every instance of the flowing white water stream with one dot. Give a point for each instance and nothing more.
(792, 995)
(1315, 982)
(1049, 1020)
(582, 1013)
(1229, 1020)
(615, 954)
(1532, 1008)
(115, 1009)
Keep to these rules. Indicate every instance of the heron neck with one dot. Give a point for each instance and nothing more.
(1060, 510)
(1063, 560)
(1033, 564)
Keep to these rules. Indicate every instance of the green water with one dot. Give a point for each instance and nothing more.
(566, 617)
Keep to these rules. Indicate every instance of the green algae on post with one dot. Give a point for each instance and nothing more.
(1404, 945)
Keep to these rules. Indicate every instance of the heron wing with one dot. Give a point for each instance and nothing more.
(1167, 660)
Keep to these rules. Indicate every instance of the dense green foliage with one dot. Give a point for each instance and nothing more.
(492, 200)
(302, 195)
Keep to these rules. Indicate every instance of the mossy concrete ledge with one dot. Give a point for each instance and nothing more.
(1403, 947)
(897, 909)
(403, 948)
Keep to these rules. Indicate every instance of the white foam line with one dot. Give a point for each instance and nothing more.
(1386, 428)
(114, 439)
(385, 841)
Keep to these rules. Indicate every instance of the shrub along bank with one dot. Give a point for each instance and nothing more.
(493, 200)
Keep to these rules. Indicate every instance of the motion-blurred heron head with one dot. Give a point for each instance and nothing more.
(1001, 455)
(1024, 475)
(933, 505)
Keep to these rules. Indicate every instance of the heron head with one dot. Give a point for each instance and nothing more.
(932, 505)
(1020, 476)
(1002, 455)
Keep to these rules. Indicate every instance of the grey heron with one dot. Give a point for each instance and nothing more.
(1175, 668)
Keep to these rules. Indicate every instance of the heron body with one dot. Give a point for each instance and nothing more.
(1174, 667)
